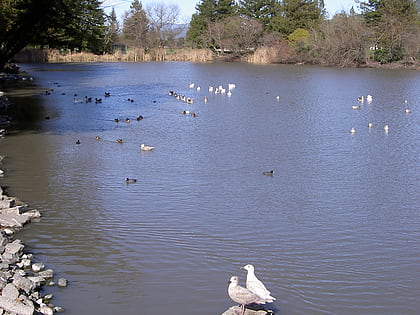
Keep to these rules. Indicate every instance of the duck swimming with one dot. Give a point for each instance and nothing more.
(269, 173)
(130, 180)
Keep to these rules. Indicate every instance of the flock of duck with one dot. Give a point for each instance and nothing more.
(143, 147)
(211, 89)
(369, 100)
(88, 99)
(255, 291)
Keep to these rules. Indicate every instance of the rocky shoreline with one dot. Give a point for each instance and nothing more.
(21, 277)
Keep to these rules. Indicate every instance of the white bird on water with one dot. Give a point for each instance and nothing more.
(242, 295)
(254, 285)
(144, 147)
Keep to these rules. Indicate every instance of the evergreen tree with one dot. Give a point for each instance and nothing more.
(79, 25)
(296, 14)
(112, 30)
(375, 10)
(208, 11)
(55, 23)
(394, 21)
(261, 10)
(226, 8)
(136, 25)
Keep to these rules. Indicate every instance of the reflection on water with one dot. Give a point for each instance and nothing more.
(334, 231)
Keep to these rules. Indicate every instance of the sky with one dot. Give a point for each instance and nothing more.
(187, 7)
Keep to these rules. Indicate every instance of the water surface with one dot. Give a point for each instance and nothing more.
(334, 231)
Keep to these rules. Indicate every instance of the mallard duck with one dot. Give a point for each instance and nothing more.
(139, 118)
(78, 142)
(127, 120)
(144, 147)
(269, 173)
(120, 140)
(97, 138)
(116, 120)
(130, 180)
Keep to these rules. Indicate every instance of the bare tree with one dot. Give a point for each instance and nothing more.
(343, 41)
(216, 36)
(242, 34)
(236, 34)
(163, 18)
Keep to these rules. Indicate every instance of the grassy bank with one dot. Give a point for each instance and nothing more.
(132, 55)
(278, 54)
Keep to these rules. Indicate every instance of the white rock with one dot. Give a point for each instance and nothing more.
(37, 267)
(10, 291)
(46, 310)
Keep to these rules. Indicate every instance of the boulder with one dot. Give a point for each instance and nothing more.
(15, 307)
(23, 283)
(236, 310)
(13, 220)
(62, 282)
(6, 203)
(13, 210)
(46, 274)
(37, 267)
(16, 247)
(10, 291)
(46, 310)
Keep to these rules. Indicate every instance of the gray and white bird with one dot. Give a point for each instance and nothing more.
(144, 147)
(254, 285)
(242, 295)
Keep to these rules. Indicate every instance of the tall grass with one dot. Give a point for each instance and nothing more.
(132, 55)
(281, 53)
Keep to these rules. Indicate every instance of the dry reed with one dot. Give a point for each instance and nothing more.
(132, 55)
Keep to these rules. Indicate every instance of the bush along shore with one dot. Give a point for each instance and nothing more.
(21, 277)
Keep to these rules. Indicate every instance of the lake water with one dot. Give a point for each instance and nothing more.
(336, 230)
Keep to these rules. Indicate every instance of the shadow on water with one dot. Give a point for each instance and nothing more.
(25, 110)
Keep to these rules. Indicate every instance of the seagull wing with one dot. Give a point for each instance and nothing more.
(254, 285)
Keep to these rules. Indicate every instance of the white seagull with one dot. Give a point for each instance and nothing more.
(144, 147)
(256, 286)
